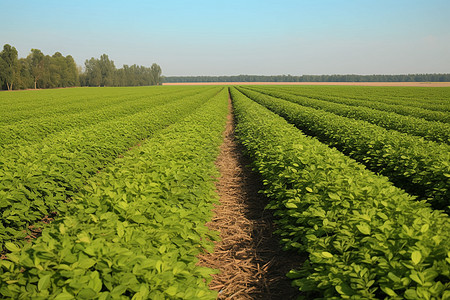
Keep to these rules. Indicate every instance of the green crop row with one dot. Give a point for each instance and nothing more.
(365, 238)
(404, 109)
(134, 230)
(27, 105)
(430, 130)
(418, 166)
(426, 98)
(35, 129)
(30, 105)
(35, 179)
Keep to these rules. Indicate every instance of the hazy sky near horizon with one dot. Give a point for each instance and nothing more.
(234, 37)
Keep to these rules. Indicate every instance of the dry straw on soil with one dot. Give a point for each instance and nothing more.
(251, 262)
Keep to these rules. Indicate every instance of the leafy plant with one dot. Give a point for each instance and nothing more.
(37, 179)
(420, 167)
(430, 130)
(366, 239)
(135, 229)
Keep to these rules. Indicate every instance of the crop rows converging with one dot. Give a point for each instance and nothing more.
(105, 192)
(127, 222)
(364, 237)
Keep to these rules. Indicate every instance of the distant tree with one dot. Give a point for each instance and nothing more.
(36, 63)
(9, 71)
(2, 73)
(100, 72)
(107, 70)
(156, 74)
(71, 72)
(24, 77)
(57, 70)
(93, 72)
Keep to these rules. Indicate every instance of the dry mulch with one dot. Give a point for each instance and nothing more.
(251, 262)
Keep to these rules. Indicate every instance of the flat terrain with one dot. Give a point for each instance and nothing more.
(219, 192)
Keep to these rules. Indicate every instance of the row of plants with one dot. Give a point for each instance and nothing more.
(35, 129)
(420, 167)
(430, 130)
(404, 109)
(28, 105)
(365, 238)
(433, 98)
(135, 229)
(436, 98)
(35, 179)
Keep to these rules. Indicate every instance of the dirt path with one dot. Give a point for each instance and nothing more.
(251, 262)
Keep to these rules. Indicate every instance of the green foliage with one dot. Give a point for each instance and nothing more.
(9, 64)
(44, 71)
(430, 130)
(36, 179)
(135, 229)
(32, 125)
(406, 104)
(418, 166)
(366, 239)
(102, 72)
(430, 98)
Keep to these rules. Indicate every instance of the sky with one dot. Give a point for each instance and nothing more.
(239, 36)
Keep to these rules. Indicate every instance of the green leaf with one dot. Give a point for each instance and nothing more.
(344, 289)
(424, 228)
(292, 274)
(171, 291)
(327, 254)
(382, 215)
(44, 282)
(86, 263)
(393, 277)
(309, 189)
(95, 282)
(411, 294)
(364, 228)
(118, 290)
(334, 196)
(120, 229)
(415, 276)
(62, 228)
(64, 296)
(290, 205)
(416, 257)
(87, 294)
(140, 219)
(389, 291)
(12, 247)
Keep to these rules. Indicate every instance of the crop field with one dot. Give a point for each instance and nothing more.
(106, 193)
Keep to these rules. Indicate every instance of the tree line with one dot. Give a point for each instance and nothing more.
(44, 71)
(313, 78)
(102, 72)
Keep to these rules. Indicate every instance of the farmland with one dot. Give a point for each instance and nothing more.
(105, 193)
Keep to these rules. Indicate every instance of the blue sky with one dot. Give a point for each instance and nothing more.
(239, 37)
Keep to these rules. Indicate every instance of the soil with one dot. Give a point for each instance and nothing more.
(423, 84)
(251, 262)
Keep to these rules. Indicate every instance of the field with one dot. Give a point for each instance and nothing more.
(117, 193)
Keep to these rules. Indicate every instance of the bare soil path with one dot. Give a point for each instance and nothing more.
(251, 262)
